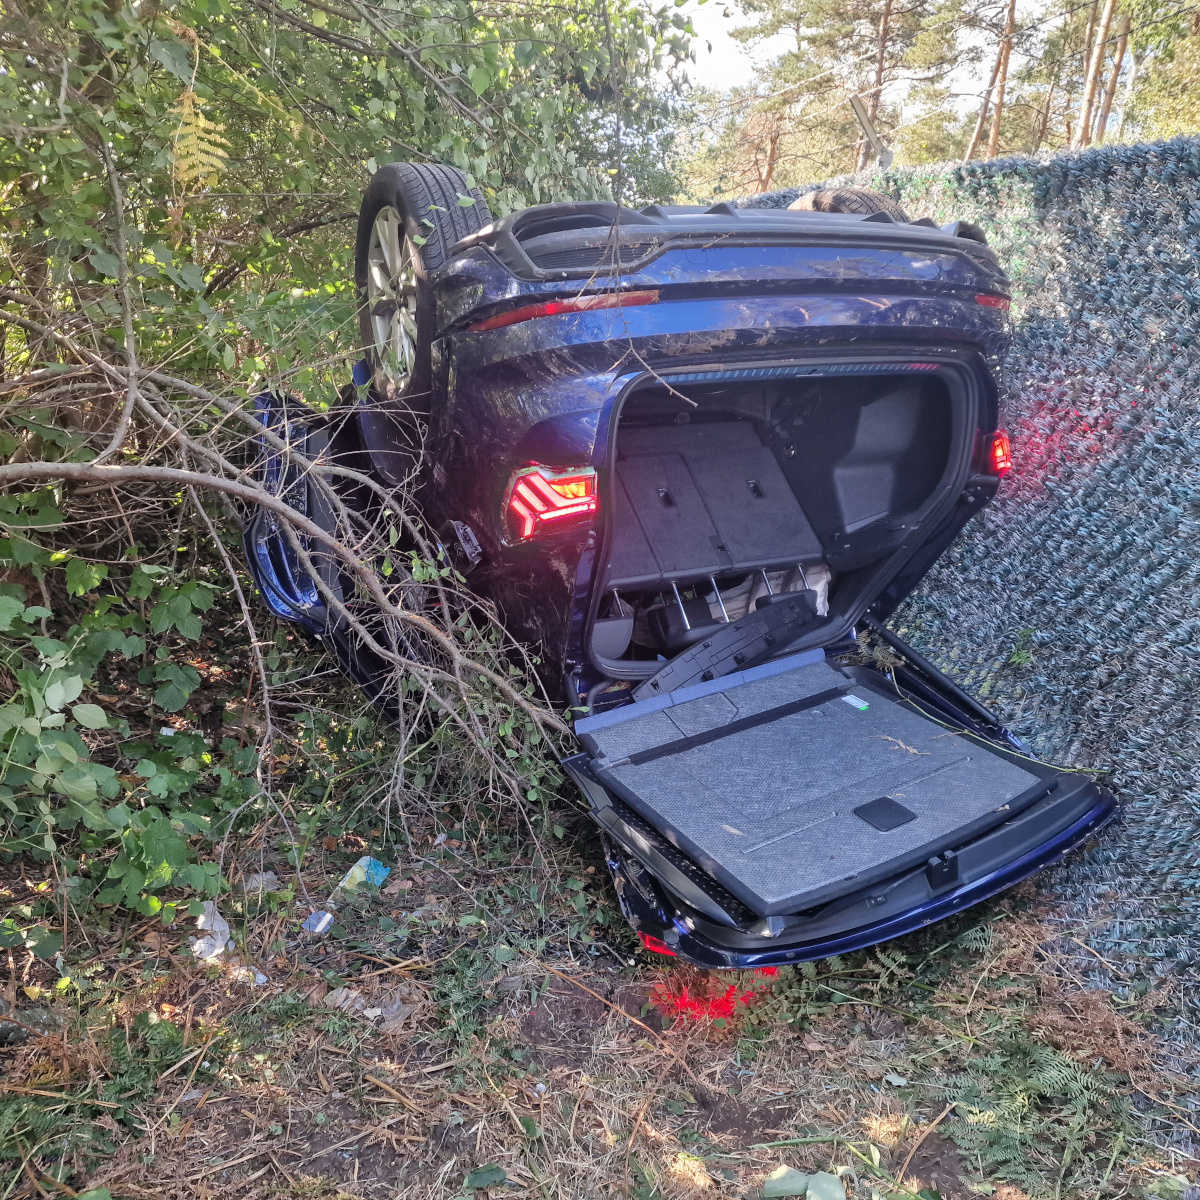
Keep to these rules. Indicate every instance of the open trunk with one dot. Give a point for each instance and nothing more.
(753, 523)
(729, 495)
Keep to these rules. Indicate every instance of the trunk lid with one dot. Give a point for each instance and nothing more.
(794, 783)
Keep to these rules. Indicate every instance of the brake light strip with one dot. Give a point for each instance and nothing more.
(553, 308)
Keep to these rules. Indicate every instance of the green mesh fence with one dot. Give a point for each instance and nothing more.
(1073, 603)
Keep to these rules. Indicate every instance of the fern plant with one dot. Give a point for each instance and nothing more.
(1028, 1113)
(201, 152)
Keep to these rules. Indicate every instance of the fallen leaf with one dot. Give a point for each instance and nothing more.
(329, 843)
(785, 1181)
(823, 1186)
(483, 1177)
(397, 885)
(813, 1045)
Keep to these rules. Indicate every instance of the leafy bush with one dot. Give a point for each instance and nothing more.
(75, 781)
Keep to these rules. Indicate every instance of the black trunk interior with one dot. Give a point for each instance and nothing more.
(755, 490)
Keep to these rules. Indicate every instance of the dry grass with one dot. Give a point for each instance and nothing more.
(569, 1073)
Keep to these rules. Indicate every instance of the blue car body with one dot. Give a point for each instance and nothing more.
(582, 338)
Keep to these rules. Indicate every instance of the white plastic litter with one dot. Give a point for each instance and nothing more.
(256, 884)
(317, 922)
(346, 999)
(216, 939)
(251, 976)
(395, 1011)
(366, 870)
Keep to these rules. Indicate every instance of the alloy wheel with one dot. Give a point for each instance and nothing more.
(392, 299)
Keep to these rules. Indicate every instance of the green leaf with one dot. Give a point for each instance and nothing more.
(45, 943)
(481, 79)
(90, 716)
(106, 263)
(62, 691)
(484, 1177)
(170, 697)
(25, 553)
(785, 1181)
(141, 581)
(83, 577)
(824, 1186)
(77, 783)
(11, 934)
(10, 610)
(174, 56)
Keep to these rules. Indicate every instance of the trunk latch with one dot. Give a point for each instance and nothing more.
(942, 870)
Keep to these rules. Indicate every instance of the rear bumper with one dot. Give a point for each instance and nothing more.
(698, 941)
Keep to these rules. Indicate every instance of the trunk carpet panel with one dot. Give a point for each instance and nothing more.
(760, 785)
(701, 499)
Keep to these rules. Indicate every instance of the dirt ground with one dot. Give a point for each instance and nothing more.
(578, 1071)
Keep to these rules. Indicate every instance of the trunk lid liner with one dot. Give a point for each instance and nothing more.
(758, 781)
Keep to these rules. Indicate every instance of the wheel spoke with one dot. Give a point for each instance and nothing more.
(389, 241)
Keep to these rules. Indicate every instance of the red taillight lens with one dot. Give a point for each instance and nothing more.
(989, 301)
(540, 498)
(656, 944)
(552, 308)
(1000, 459)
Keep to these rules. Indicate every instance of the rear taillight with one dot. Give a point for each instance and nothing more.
(650, 942)
(575, 304)
(990, 301)
(1000, 458)
(542, 498)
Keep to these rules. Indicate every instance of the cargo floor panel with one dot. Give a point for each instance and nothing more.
(703, 499)
(791, 789)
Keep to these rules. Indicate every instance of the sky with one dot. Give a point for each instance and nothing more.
(728, 64)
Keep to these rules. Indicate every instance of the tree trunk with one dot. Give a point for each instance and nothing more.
(973, 145)
(1083, 135)
(1111, 90)
(1002, 78)
(765, 177)
(1093, 13)
(885, 22)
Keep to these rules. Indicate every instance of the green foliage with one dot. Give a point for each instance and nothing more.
(73, 778)
(1027, 1111)
(242, 136)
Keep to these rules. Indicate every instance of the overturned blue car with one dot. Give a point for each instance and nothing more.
(691, 454)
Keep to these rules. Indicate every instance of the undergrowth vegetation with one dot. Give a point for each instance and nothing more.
(967, 1060)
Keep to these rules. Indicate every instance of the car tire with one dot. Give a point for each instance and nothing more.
(849, 200)
(419, 205)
